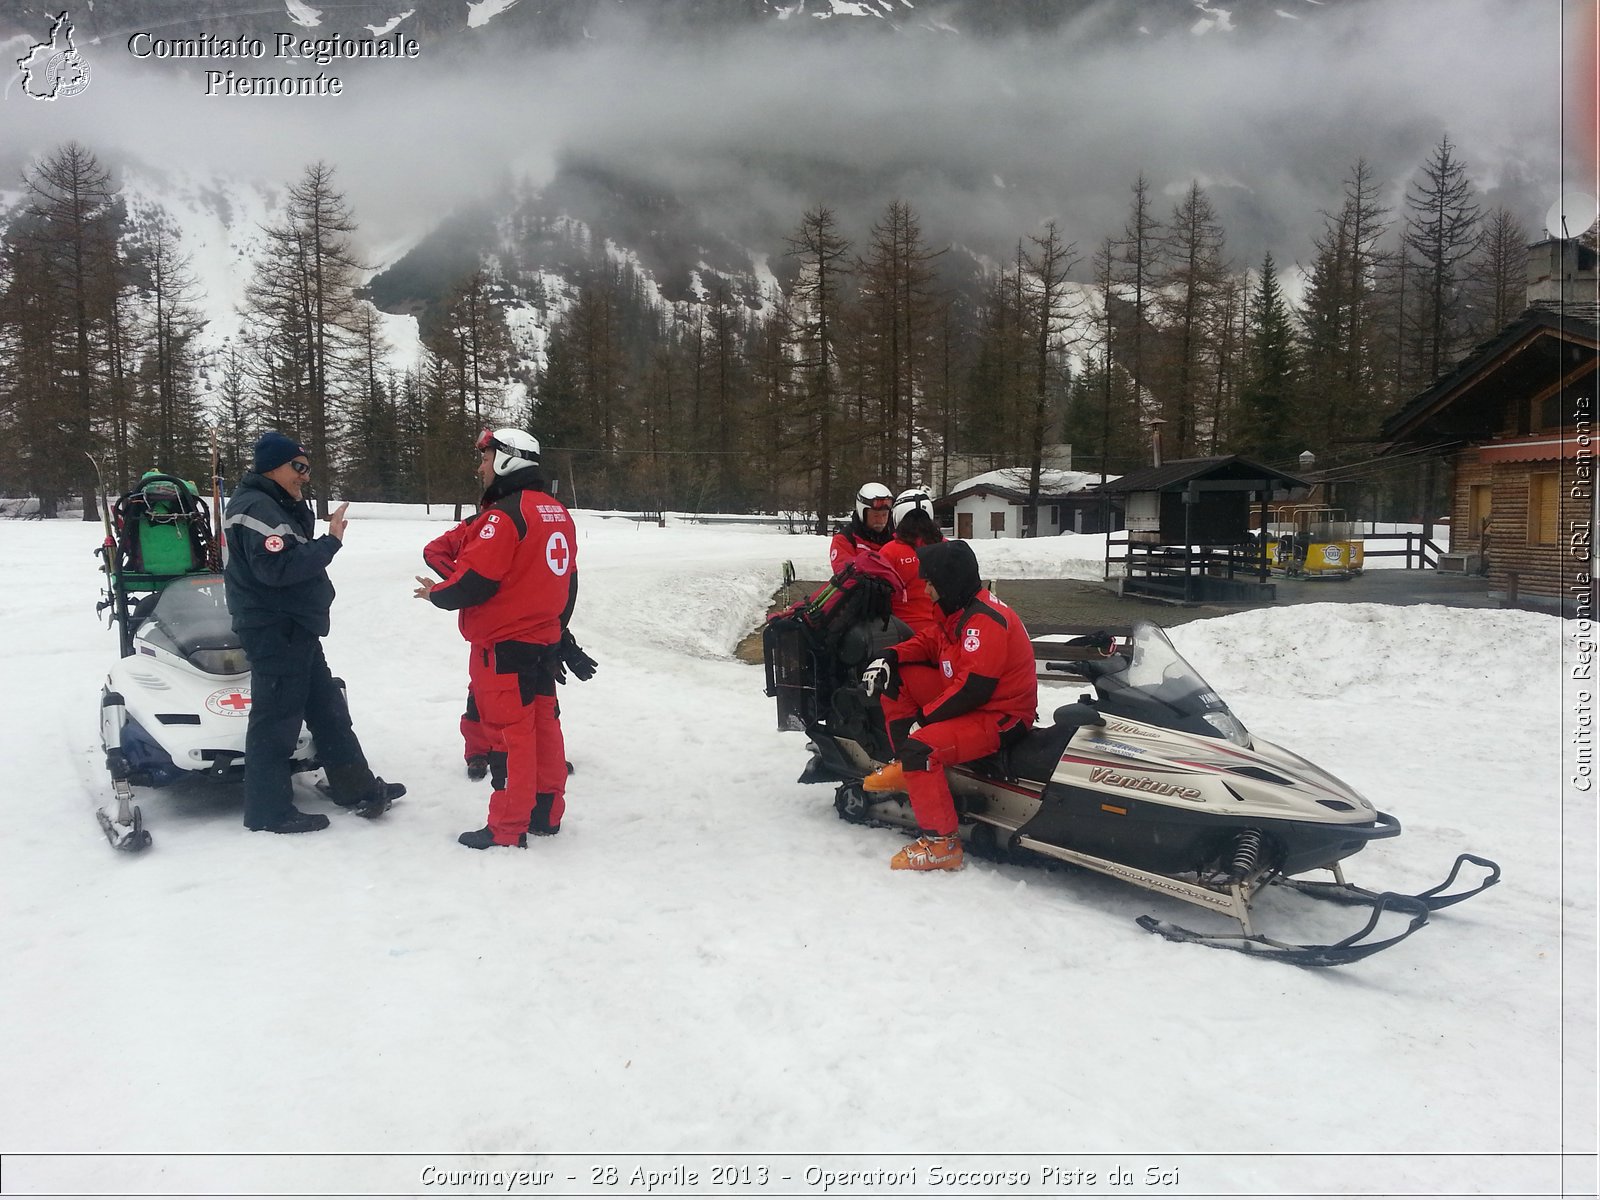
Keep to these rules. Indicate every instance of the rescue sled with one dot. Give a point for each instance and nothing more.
(1148, 778)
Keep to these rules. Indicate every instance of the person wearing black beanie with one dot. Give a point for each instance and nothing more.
(279, 597)
(954, 691)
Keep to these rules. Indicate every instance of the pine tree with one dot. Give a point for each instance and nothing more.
(235, 412)
(173, 432)
(818, 299)
(474, 340)
(70, 264)
(897, 304)
(1440, 233)
(1497, 276)
(1190, 287)
(301, 303)
(1047, 270)
(373, 471)
(1341, 359)
(1138, 267)
(1268, 397)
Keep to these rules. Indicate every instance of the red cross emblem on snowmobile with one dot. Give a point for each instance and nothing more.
(556, 553)
(229, 702)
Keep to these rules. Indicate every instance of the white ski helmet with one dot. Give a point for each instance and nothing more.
(910, 500)
(513, 449)
(871, 496)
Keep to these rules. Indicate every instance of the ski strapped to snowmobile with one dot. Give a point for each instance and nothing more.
(1149, 778)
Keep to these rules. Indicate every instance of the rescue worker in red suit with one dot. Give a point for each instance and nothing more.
(914, 526)
(440, 555)
(971, 684)
(870, 527)
(514, 585)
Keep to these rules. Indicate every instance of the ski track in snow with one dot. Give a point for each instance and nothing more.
(703, 917)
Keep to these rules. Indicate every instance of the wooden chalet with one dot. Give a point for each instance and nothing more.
(1514, 423)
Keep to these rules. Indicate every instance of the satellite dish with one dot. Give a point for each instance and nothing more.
(1572, 216)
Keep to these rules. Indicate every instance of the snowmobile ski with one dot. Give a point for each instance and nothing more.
(1341, 892)
(125, 831)
(1347, 950)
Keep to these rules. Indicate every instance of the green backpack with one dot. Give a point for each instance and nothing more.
(163, 529)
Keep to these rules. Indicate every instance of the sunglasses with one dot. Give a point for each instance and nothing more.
(300, 468)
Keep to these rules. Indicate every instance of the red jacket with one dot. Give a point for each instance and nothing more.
(514, 576)
(913, 607)
(985, 655)
(441, 553)
(849, 541)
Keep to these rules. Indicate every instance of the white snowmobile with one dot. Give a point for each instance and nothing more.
(1149, 779)
(176, 703)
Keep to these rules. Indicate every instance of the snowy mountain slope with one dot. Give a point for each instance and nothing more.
(541, 22)
(703, 917)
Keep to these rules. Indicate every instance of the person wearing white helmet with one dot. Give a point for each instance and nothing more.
(514, 584)
(914, 526)
(871, 525)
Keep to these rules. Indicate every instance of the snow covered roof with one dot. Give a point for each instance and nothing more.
(1012, 484)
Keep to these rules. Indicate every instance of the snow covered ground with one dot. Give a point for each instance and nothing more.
(707, 962)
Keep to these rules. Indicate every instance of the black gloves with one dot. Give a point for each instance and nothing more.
(574, 658)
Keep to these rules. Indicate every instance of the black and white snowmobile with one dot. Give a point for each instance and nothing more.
(176, 703)
(1149, 778)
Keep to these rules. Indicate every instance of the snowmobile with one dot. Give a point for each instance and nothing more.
(176, 702)
(1148, 778)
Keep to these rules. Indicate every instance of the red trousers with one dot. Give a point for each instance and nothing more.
(524, 725)
(926, 753)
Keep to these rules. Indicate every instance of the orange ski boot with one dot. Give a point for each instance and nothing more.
(929, 853)
(890, 777)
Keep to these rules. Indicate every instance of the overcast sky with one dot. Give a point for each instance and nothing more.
(986, 139)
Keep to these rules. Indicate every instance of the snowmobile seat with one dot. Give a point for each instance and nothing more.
(1033, 753)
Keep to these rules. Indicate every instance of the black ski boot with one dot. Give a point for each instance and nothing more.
(483, 839)
(294, 822)
(477, 767)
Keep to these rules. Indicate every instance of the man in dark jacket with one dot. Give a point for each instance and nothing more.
(279, 595)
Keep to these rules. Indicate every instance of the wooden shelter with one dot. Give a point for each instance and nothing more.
(1189, 527)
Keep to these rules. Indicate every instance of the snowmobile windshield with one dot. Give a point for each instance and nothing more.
(1150, 681)
(190, 619)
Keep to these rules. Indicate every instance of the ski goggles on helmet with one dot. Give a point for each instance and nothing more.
(488, 441)
(877, 503)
